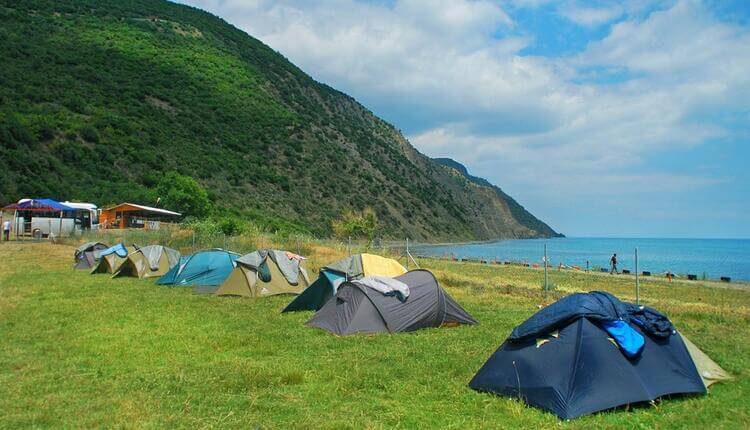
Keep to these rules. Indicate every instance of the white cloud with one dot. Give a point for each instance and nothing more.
(589, 16)
(438, 70)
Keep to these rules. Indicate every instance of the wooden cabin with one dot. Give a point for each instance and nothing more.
(131, 215)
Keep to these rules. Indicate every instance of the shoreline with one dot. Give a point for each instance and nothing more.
(739, 284)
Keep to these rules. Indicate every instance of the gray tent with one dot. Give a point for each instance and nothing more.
(359, 309)
(87, 254)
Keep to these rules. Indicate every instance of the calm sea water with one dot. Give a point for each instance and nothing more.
(714, 257)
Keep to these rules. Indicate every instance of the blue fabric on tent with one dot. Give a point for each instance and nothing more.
(118, 249)
(335, 278)
(204, 268)
(596, 306)
(630, 341)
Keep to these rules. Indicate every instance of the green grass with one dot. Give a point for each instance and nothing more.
(88, 351)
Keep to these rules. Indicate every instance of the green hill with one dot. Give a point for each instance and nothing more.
(98, 99)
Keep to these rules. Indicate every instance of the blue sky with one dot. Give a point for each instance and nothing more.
(603, 118)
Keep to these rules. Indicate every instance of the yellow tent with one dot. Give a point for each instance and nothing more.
(375, 265)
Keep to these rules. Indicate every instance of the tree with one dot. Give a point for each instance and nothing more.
(183, 194)
(359, 225)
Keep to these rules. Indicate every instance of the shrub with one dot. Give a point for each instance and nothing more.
(183, 194)
(89, 134)
(359, 225)
(230, 226)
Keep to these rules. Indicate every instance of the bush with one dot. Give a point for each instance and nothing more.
(358, 225)
(230, 226)
(89, 134)
(183, 194)
(202, 227)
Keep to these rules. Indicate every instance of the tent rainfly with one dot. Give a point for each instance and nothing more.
(358, 308)
(591, 352)
(333, 275)
(86, 257)
(265, 273)
(149, 262)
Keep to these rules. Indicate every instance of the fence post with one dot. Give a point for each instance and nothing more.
(546, 285)
(407, 253)
(637, 281)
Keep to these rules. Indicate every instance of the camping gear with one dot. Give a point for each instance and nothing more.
(120, 250)
(110, 260)
(596, 306)
(85, 257)
(348, 269)
(563, 360)
(149, 262)
(265, 273)
(357, 308)
(205, 270)
(386, 286)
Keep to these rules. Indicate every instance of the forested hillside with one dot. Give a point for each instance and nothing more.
(100, 99)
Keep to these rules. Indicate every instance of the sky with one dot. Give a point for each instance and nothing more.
(602, 118)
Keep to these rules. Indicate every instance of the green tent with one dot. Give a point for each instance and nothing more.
(265, 273)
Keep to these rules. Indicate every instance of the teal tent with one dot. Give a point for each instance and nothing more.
(204, 270)
(317, 294)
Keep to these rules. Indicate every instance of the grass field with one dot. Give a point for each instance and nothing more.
(78, 350)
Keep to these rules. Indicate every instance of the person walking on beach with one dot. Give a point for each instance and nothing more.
(6, 230)
(613, 263)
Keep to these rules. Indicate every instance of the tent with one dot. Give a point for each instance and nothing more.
(85, 257)
(110, 260)
(357, 308)
(205, 270)
(265, 273)
(149, 262)
(331, 276)
(574, 363)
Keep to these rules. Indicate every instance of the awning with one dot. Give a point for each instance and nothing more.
(38, 205)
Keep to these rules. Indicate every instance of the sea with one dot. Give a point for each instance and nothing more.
(705, 258)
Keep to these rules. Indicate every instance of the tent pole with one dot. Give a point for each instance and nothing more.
(15, 223)
(59, 233)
